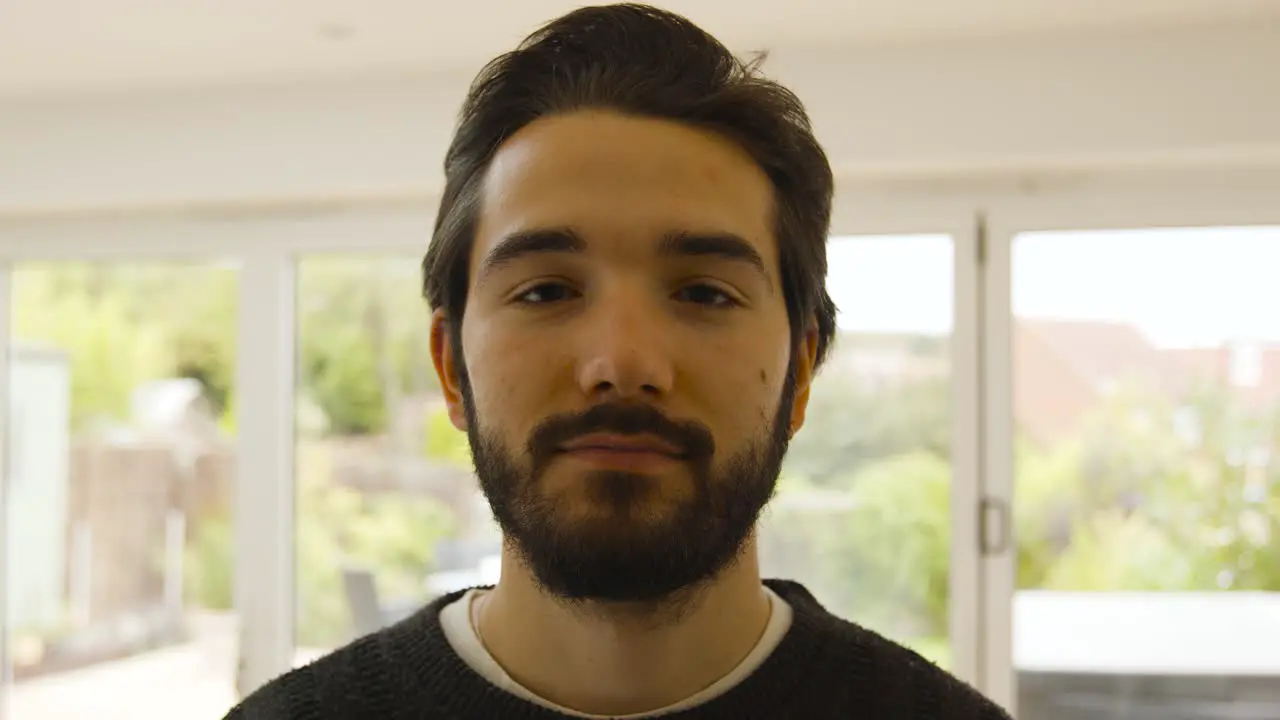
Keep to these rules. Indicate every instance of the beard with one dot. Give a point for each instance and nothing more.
(635, 544)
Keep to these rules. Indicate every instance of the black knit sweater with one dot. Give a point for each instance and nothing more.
(823, 668)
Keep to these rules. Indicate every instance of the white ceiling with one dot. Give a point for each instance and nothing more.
(73, 46)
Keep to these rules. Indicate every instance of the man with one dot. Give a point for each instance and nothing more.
(628, 285)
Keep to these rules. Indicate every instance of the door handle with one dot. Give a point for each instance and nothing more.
(995, 533)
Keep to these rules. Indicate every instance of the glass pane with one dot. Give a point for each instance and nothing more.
(388, 512)
(862, 515)
(120, 487)
(1147, 495)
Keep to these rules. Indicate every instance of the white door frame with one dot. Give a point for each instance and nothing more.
(6, 670)
(1206, 198)
(872, 214)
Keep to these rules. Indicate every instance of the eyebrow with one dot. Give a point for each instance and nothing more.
(531, 242)
(723, 245)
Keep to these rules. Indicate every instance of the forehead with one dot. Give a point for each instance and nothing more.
(621, 180)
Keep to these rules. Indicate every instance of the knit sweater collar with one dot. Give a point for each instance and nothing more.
(428, 667)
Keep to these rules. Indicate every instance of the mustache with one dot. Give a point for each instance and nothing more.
(693, 439)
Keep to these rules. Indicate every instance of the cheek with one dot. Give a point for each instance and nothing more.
(742, 397)
(511, 375)
(750, 366)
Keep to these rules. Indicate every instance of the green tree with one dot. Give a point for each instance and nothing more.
(123, 325)
(364, 329)
(393, 536)
(886, 560)
(1046, 501)
(1154, 494)
(109, 351)
(1114, 550)
(208, 566)
(850, 424)
(339, 372)
(444, 442)
(203, 328)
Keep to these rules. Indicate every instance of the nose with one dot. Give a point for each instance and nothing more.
(624, 353)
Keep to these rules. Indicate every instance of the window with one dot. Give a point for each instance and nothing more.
(120, 588)
(1147, 498)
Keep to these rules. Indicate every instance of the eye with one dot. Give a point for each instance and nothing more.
(544, 293)
(706, 295)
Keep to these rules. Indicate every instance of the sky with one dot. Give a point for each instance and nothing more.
(1180, 287)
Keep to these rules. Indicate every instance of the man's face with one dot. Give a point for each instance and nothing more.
(628, 383)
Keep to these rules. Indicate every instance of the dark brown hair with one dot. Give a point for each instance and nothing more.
(647, 62)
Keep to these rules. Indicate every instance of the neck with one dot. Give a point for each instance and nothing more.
(613, 659)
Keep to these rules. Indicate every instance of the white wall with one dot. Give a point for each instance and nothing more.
(1175, 97)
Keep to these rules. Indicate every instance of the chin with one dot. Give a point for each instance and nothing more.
(639, 553)
(622, 492)
(593, 521)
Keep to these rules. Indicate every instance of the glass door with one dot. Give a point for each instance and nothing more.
(863, 512)
(120, 485)
(1134, 433)
(145, 407)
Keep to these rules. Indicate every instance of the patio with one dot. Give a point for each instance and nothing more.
(192, 681)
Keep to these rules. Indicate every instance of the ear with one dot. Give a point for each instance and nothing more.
(444, 358)
(806, 360)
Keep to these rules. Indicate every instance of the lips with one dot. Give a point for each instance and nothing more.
(622, 444)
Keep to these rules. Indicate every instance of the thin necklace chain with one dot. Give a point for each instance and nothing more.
(477, 607)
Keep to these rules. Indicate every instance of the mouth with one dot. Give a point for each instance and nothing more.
(624, 452)
(622, 443)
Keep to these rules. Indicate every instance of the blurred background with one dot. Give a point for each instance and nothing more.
(1044, 453)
